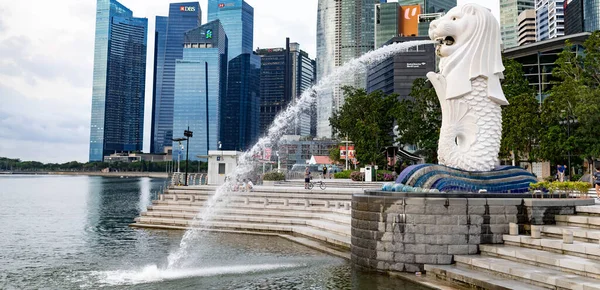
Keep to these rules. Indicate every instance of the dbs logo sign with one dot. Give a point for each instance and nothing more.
(409, 23)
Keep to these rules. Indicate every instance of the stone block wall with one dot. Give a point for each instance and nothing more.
(403, 233)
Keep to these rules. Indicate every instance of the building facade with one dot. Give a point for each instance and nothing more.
(200, 85)
(168, 47)
(345, 30)
(237, 18)
(396, 74)
(538, 60)
(574, 17)
(293, 150)
(549, 18)
(591, 15)
(509, 22)
(240, 110)
(285, 74)
(386, 22)
(243, 92)
(118, 94)
(526, 27)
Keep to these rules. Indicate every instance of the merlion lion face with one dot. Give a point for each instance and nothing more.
(452, 31)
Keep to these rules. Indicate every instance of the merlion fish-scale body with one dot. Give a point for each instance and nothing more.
(468, 87)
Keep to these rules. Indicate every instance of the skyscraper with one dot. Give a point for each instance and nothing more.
(242, 101)
(549, 19)
(285, 74)
(345, 30)
(237, 18)
(526, 27)
(200, 78)
(386, 22)
(168, 48)
(574, 16)
(591, 15)
(117, 119)
(509, 12)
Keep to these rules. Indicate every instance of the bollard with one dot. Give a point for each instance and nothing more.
(536, 232)
(246, 200)
(306, 203)
(346, 206)
(327, 204)
(286, 202)
(567, 236)
(192, 198)
(266, 201)
(174, 197)
(161, 197)
(513, 229)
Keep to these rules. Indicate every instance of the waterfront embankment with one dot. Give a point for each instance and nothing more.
(95, 173)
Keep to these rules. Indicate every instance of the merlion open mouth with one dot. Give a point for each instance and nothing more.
(448, 40)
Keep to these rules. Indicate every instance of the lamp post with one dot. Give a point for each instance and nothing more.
(188, 134)
(347, 157)
(179, 148)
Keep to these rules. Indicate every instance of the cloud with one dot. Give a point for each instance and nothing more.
(42, 123)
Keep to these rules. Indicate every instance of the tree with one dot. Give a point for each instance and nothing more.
(334, 154)
(367, 120)
(521, 122)
(572, 110)
(419, 120)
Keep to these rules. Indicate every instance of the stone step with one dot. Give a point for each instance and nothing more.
(344, 219)
(343, 230)
(314, 208)
(476, 279)
(588, 209)
(577, 248)
(579, 233)
(566, 263)
(332, 189)
(535, 275)
(319, 234)
(290, 195)
(585, 221)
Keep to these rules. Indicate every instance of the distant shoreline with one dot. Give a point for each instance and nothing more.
(94, 173)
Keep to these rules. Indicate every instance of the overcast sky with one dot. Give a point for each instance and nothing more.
(47, 57)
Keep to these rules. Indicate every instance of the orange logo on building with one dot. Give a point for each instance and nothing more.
(409, 20)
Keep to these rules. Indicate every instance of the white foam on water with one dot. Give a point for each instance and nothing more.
(152, 274)
(247, 160)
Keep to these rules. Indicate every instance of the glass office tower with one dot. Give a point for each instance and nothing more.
(117, 118)
(509, 25)
(243, 93)
(204, 65)
(167, 49)
(237, 18)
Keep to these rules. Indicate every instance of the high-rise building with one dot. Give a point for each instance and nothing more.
(549, 19)
(509, 12)
(285, 74)
(117, 119)
(574, 16)
(168, 47)
(345, 30)
(386, 22)
(243, 92)
(526, 21)
(200, 84)
(591, 15)
(240, 109)
(430, 6)
(237, 18)
(397, 73)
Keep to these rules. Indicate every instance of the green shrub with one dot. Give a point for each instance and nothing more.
(576, 177)
(575, 187)
(274, 176)
(343, 175)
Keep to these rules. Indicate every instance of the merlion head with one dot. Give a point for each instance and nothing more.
(469, 44)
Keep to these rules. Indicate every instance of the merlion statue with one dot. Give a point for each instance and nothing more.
(468, 87)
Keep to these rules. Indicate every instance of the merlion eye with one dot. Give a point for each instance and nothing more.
(454, 18)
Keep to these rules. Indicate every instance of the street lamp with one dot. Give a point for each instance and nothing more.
(189, 134)
(179, 150)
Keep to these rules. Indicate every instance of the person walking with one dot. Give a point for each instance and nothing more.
(324, 172)
(330, 171)
(306, 177)
(561, 172)
(597, 181)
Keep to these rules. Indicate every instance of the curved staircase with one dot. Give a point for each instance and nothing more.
(317, 218)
